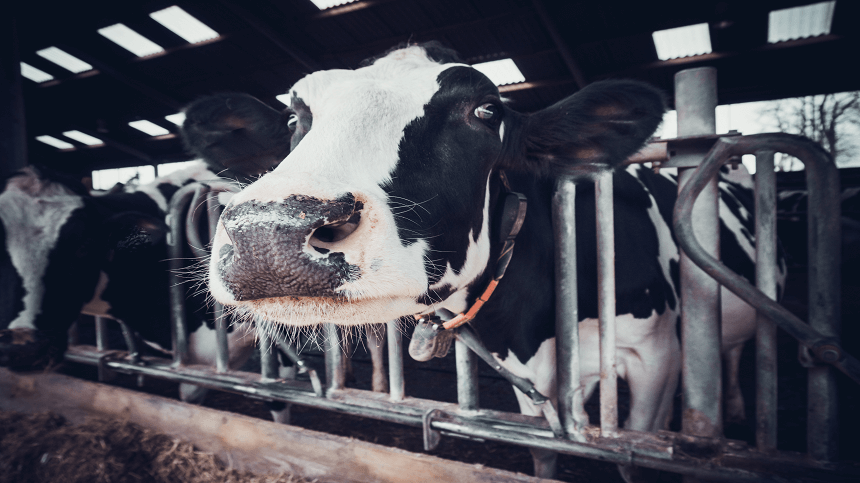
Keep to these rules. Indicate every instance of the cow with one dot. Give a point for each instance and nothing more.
(66, 251)
(388, 207)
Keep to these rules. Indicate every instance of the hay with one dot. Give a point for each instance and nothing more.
(44, 447)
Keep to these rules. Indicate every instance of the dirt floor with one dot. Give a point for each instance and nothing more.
(44, 447)
(436, 380)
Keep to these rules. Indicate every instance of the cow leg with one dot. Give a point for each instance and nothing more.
(376, 347)
(734, 399)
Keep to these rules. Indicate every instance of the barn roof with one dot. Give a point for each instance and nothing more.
(264, 46)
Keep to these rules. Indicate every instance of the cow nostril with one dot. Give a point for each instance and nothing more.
(334, 232)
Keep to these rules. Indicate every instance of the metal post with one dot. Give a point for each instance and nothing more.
(570, 396)
(101, 334)
(606, 305)
(396, 385)
(824, 238)
(467, 377)
(175, 243)
(268, 356)
(695, 102)
(222, 355)
(765, 276)
(74, 334)
(334, 369)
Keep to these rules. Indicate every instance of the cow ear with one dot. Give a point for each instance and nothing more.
(589, 132)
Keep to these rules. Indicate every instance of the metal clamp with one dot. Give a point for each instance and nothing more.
(431, 436)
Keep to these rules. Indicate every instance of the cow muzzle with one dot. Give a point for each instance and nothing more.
(289, 247)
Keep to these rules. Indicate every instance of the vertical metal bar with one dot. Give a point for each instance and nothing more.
(570, 395)
(467, 376)
(606, 305)
(101, 334)
(825, 315)
(176, 242)
(334, 368)
(222, 354)
(74, 334)
(701, 370)
(765, 276)
(268, 356)
(397, 387)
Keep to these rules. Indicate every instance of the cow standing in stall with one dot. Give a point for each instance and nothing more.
(388, 206)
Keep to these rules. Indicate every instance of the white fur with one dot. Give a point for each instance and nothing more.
(198, 171)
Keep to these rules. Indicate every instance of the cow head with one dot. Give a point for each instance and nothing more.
(237, 135)
(382, 208)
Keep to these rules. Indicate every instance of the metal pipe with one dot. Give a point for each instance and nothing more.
(74, 334)
(130, 341)
(571, 403)
(175, 244)
(467, 377)
(765, 276)
(335, 375)
(222, 354)
(268, 355)
(824, 242)
(606, 305)
(396, 384)
(701, 374)
(101, 334)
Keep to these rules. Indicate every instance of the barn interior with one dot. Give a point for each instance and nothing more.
(263, 47)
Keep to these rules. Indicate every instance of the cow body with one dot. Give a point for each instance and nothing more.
(388, 206)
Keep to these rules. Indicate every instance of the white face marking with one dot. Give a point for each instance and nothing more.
(346, 152)
(32, 212)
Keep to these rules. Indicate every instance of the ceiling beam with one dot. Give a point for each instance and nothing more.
(286, 46)
(563, 50)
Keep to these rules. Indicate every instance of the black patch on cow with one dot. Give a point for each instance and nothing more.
(437, 192)
(270, 261)
(434, 296)
(304, 121)
(12, 289)
(167, 190)
(736, 198)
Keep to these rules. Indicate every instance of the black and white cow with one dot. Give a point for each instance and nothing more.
(67, 251)
(386, 208)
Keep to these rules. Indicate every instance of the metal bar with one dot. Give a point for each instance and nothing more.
(130, 341)
(606, 305)
(467, 377)
(175, 244)
(701, 374)
(824, 242)
(765, 276)
(74, 334)
(396, 384)
(222, 354)
(101, 333)
(825, 348)
(335, 375)
(571, 403)
(268, 356)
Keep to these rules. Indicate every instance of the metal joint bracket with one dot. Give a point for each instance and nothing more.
(106, 374)
(431, 436)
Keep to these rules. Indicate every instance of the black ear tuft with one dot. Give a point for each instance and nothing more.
(591, 131)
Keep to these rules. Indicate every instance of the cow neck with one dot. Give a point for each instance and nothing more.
(513, 214)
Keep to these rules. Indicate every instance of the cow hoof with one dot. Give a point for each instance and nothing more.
(26, 349)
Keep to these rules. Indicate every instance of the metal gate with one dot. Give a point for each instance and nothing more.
(699, 450)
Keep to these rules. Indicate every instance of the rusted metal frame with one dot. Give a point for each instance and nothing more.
(396, 384)
(467, 377)
(571, 403)
(335, 374)
(825, 222)
(605, 228)
(175, 243)
(766, 281)
(664, 450)
(701, 361)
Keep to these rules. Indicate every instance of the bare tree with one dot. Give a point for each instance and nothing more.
(829, 119)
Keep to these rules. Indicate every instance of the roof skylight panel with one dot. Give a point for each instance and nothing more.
(183, 24)
(130, 40)
(324, 4)
(177, 118)
(64, 60)
(682, 41)
(57, 143)
(83, 138)
(149, 128)
(800, 22)
(34, 74)
(285, 98)
(501, 72)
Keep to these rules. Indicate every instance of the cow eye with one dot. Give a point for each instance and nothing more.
(486, 112)
(292, 122)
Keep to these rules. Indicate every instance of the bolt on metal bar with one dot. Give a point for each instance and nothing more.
(467, 377)
(571, 405)
(701, 374)
(335, 373)
(765, 275)
(606, 305)
(101, 333)
(396, 384)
